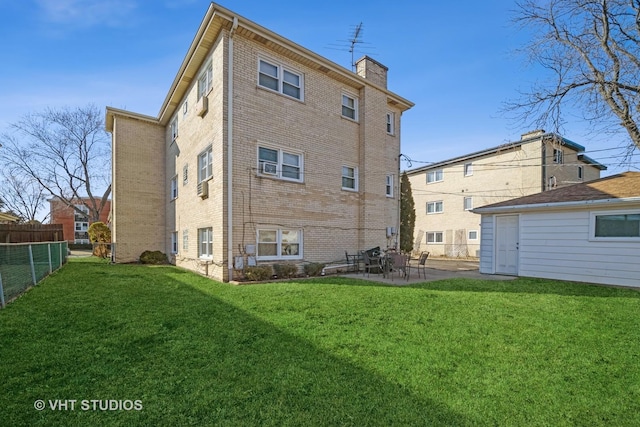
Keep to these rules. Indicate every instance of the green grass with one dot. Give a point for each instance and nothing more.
(330, 351)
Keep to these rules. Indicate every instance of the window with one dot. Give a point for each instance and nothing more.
(468, 169)
(434, 237)
(184, 108)
(84, 216)
(205, 167)
(205, 242)
(185, 174)
(205, 80)
(280, 79)
(174, 129)
(349, 178)
(558, 156)
(389, 186)
(435, 207)
(185, 240)
(580, 173)
(279, 244)
(473, 235)
(552, 182)
(468, 203)
(82, 226)
(391, 120)
(616, 225)
(174, 187)
(349, 107)
(434, 176)
(174, 242)
(280, 164)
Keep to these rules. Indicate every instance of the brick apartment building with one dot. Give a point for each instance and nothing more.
(445, 192)
(75, 225)
(262, 152)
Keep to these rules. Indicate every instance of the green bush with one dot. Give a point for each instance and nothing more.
(313, 268)
(153, 257)
(287, 270)
(259, 273)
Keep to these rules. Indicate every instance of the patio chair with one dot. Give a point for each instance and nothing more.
(399, 264)
(421, 265)
(353, 261)
(370, 262)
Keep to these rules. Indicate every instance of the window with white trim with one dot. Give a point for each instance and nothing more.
(185, 108)
(391, 121)
(281, 79)
(435, 237)
(435, 207)
(615, 225)
(174, 242)
(280, 164)
(205, 242)
(174, 187)
(185, 239)
(205, 81)
(185, 174)
(558, 156)
(278, 243)
(580, 173)
(473, 235)
(174, 129)
(389, 185)
(468, 203)
(205, 165)
(349, 178)
(468, 169)
(435, 176)
(349, 107)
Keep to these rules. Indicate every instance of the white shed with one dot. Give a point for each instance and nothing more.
(588, 232)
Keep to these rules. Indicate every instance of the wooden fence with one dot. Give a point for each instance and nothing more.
(23, 233)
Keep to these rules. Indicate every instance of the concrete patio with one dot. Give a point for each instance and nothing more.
(435, 269)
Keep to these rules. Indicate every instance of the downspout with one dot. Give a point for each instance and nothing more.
(230, 153)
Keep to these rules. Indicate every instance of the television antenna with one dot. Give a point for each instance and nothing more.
(354, 40)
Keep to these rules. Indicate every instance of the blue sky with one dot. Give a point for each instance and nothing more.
(455, 60)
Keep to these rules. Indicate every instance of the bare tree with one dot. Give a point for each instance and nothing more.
(591, 48)
(23, 196)
(66, 151)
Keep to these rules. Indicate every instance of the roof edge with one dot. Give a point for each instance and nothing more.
(111, 113)
(556, 205)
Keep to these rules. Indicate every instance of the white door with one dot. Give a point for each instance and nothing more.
(507, 244)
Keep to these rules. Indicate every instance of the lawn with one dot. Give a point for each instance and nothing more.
(190, 351)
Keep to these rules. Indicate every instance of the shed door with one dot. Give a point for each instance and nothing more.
(507, 244)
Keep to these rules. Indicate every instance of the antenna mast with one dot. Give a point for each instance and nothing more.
(356, 38)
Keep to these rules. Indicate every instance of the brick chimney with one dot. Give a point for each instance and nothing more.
(532, 134)
(372, 70)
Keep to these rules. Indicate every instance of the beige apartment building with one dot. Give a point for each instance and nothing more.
(263, 152)
(445, 192)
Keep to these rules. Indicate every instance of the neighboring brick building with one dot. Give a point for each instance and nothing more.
(262, 150)
(75, 226)
(445, 192)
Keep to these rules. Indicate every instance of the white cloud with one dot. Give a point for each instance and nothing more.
(87, 13)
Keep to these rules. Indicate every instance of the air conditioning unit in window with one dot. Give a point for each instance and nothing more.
(202, 105)
(268, 168)
(203, 189)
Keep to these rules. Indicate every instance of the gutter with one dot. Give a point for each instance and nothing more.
(230, 153)
(559, 205)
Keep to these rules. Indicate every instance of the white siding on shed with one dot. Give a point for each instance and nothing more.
(487, 227)
(556, 245)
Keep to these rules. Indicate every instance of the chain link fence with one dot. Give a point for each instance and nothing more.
(24, 264)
